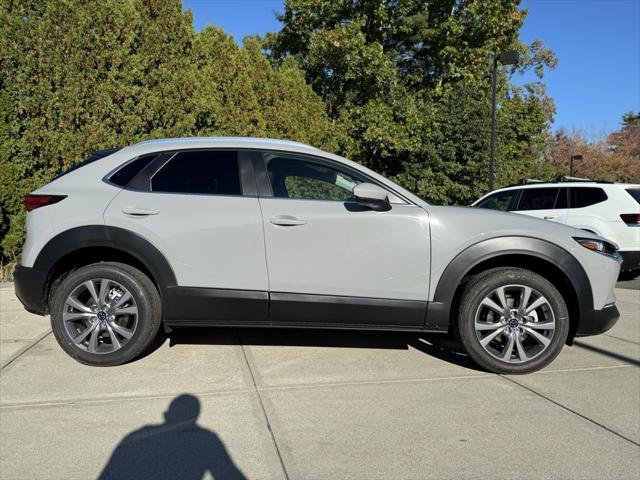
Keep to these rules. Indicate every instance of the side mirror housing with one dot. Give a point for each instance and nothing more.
(372, 196)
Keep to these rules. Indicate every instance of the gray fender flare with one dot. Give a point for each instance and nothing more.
(438, 314)
(116, 238)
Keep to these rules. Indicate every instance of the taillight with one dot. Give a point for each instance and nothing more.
(631, 219)
(31, 202)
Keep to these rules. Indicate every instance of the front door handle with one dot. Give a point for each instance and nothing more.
(138, 211)
(287, 221)
(551, 217)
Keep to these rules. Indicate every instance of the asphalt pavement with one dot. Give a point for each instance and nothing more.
(255, 403)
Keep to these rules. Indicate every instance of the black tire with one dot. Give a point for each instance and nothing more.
(627, 275)
(483, 285)
(142, 290)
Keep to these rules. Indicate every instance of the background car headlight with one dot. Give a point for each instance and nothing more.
(600, 246)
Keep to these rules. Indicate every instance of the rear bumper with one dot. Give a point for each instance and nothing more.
(593, 322)
(29, 286)
(630, 259)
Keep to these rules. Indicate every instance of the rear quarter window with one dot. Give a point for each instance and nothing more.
(128, 171)
(586, 196)
(635, 193)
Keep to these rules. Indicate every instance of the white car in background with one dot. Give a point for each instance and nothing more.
(610, 210)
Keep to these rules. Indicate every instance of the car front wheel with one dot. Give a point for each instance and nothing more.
(512, 320)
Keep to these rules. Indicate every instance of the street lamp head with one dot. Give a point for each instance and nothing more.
(508, 57)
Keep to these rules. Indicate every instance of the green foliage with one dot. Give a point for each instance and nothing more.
(409, 84)
(80, 76)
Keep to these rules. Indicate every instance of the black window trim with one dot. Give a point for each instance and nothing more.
(142, 181)
(567, 199)
(256, 174)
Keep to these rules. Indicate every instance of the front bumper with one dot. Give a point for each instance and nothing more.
(594, 322)
(630, 260)
(29, 285)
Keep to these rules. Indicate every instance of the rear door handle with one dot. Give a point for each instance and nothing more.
(138, 211)
(551, 217)
(287, 221)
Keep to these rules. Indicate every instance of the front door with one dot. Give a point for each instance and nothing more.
(333, 262)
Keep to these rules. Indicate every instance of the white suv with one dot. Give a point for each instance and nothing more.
(610, 210)
(253, 232)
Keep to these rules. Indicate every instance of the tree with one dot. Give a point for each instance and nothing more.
(615, 158)
(409, 85)
(76, 77)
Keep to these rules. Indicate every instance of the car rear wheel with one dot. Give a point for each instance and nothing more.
(105, 314)
(512, 321)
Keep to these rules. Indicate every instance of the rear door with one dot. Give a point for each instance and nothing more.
(196, 209)
(548, 203)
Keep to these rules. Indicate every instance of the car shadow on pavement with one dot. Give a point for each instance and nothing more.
(608, 353)
(439, 346)
(178, 448)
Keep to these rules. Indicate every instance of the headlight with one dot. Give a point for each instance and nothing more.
(600, 246)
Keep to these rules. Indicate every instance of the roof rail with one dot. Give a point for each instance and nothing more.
(527, 181)
(567, 178)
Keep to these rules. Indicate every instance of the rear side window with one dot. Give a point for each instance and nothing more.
(129, 171)
(635, 193)
(538, 198)
(586, 196)
(503, 201)
(213, 172)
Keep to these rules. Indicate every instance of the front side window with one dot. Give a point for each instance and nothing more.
(502, 201)
(308, 180)
(212, 172)
(538, 198)
(586, 196)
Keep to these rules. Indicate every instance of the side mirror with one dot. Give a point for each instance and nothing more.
(372, 196)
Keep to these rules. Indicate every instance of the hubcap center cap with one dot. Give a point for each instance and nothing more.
(513, 323)
(102, 316)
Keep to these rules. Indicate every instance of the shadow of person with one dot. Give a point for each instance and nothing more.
(178, 448)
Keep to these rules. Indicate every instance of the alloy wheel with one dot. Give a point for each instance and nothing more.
(515, 323)
(100, 316)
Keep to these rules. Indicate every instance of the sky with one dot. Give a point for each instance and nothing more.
(597, 43)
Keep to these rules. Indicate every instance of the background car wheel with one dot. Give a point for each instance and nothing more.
(105, 314)
(626, 275)
(512, 320)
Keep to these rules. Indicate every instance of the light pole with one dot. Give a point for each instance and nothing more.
(573, 157)
(510, 57)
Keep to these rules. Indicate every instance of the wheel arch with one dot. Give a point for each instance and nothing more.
(540, 256)
(89, 244)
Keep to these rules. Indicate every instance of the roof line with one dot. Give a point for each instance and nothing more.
(273, 141)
